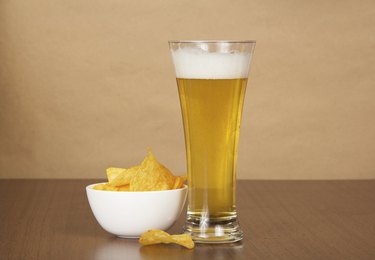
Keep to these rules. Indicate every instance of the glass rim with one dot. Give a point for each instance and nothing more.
(212, 41)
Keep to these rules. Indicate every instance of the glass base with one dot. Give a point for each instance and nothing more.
(213, 231)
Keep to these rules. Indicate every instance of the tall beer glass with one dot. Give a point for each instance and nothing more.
(211, 79)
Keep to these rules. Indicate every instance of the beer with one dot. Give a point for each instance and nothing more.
(212, 111)
(211, 79)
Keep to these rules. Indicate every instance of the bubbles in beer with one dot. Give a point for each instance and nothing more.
(198, 64)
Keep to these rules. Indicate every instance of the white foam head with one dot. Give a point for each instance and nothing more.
(197, 64)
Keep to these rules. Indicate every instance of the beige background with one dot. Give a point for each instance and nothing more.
(89, 84)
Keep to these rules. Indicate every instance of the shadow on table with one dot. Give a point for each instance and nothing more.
(117, 248)
(130, 249)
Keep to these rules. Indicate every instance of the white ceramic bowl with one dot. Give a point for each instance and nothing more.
(129, 214)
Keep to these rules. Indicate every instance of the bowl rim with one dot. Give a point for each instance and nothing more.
(90, 188)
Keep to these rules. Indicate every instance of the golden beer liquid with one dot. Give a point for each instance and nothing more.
(212, 110)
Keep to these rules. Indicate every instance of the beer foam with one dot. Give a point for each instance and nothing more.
(198, 64)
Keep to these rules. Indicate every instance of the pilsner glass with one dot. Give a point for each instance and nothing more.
(212, 78)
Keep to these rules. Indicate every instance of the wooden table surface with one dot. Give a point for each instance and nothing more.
(51, 219)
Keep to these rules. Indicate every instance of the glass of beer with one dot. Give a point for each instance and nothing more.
(212, 78)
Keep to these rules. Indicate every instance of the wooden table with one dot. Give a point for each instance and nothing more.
(51, 219)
